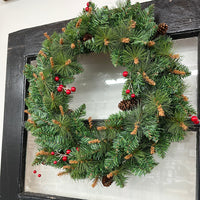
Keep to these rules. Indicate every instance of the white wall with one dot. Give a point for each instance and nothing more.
(21, 14)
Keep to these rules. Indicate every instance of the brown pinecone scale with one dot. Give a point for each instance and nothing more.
(127, 104)
(107, 181)
(162, 28)
(87, 36)
(69, 111)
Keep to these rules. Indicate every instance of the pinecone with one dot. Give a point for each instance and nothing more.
(107, 181)
(127, 104)
(162, 28)
(69, 111)
(87, 36)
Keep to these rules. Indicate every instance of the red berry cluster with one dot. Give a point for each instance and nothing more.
(60, 88)
(68, 91)
(34, 171)
(64, 158)
(195, 119)
(125, 74)
(87, 8)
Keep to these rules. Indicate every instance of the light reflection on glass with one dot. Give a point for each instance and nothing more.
(117, 81)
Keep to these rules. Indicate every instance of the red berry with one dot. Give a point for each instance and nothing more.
(39, 175)
(59, 89)
(34, 171)
(55, 162)
(68, 151)
(64, 158)
(68, 91)
(87, 9)
(128, 91)
(73, 89)
(194, 118)
(125, 74)
(61, 86)
(88, 4)
(77, 148)
(196, 122)
(132, 95)
(56, 78)
(52, 153)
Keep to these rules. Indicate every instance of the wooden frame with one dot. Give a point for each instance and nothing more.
(183, 19)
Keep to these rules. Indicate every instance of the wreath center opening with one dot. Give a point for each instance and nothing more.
(99, 86)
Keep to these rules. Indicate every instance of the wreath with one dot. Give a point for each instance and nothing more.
(154, 110)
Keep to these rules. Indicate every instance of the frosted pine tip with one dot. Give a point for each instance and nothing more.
(133, 24)
(101, 128)
(136, 61)
(148, 80)
(183, 126)
(31, 122)
(160, 111)
(42, 75)
(63, 29)
(151, 43)
(78, 23)
(68, 62)
(111, 174)
(125, 40)
(62, 173)
(42, 152)
(95, 182)
(178, 72)
(47, 36)
(67, 167)
(73, 162)
(61, 41)
(34, 75)
(152, 149)
(42, 53)
(90, 122)
(106, 42)
(73, 45)
(134, 132)
(94, 141)
(26, 111)
(128, 156)
(51, 61)
(175, 56)
(184, 97)
(52, 96)
(56, 122)
(61, 110)
(90, 10)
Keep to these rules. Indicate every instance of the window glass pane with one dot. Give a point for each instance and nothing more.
(100, 88)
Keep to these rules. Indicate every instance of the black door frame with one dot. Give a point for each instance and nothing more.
(183, 19)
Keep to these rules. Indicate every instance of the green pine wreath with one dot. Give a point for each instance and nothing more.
(154, 110)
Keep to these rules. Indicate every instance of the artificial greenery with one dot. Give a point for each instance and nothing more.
(125, 142)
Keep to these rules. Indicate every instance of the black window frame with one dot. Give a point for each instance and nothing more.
(183, 19)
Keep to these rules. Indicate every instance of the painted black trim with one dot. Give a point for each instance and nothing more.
(198, 131)
(37, 196)
(183, 19)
